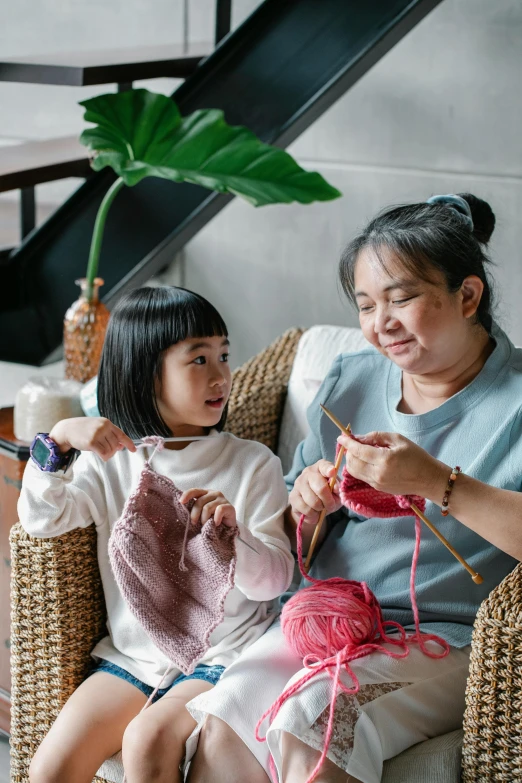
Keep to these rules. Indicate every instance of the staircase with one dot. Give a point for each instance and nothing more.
(276, 73)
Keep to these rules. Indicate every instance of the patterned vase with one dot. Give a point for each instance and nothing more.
(83, 333)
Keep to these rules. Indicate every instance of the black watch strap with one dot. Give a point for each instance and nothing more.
(68, 459)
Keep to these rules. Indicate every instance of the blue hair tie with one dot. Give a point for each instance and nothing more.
(458, 204)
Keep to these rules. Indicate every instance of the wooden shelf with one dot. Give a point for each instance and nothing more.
(106, 66)
(9, 444)
(33, 162)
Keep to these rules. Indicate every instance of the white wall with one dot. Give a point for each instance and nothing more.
(441, 112)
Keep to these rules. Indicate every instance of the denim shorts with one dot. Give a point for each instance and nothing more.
(211, 674)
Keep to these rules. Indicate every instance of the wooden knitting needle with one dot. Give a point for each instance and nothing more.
(322, 515)
(477, 578)
(139, 441)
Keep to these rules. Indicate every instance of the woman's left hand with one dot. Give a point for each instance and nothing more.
(391, 463)
(209, 503)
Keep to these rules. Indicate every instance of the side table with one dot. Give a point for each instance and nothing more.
(13, 458)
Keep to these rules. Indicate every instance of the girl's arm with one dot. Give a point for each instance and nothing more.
(51, 504)
(267, 574)
(391, 463)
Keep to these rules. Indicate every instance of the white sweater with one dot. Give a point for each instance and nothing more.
(248, 475)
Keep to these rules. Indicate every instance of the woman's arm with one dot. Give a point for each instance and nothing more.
(311, 494)
(476, 505)
(308, 479)
(391, 463)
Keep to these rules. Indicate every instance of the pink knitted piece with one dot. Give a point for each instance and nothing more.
(174, 575)
(369, 502)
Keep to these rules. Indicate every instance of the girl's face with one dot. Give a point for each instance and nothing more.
(195, 384)
(419, 325)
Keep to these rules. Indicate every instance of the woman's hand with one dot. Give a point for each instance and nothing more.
(210, 503)
(391, 463)
(90, 433)
(311, 492)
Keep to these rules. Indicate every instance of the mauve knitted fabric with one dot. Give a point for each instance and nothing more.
(176, 591)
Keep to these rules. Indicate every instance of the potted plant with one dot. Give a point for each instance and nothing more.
(141, 134)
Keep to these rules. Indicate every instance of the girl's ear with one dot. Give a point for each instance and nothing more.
(471, 293)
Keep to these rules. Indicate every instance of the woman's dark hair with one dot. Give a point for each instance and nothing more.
(426, 236)
(144, 324)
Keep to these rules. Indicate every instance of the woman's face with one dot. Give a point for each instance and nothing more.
(419, 325)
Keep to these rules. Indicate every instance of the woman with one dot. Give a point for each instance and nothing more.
(439, 386)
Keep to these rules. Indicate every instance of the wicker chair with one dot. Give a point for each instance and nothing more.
(58, 612)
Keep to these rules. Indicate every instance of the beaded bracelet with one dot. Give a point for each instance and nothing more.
(445, 500)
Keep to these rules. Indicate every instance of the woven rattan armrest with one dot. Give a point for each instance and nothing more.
(259, 391)
(492, 750)
(58, 612)
(57, 616)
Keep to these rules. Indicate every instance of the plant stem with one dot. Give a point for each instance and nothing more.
(97, 235)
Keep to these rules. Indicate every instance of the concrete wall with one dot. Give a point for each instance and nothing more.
(441, 112)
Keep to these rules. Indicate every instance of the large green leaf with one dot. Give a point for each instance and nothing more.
(141, 134)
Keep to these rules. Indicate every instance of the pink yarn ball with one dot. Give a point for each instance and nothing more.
(335, 621)
(330, 616)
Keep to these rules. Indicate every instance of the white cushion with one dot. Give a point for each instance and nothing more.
(316, 351)
(435, 761)
(112, 769)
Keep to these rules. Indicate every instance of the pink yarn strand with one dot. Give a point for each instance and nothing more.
(152, 440)
(182, 566)
(336, 621)
(159, 444)
(420, 637)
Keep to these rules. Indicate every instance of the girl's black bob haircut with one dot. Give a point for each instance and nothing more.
(144, 324)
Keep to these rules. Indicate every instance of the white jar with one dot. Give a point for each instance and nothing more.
(42, 402)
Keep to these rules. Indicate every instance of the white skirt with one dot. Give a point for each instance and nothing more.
(400, 702)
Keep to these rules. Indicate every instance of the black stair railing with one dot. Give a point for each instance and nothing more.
(276, 73)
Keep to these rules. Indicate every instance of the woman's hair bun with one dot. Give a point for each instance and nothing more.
(482, 215)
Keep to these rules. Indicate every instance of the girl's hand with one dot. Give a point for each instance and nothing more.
(391, 463)
(210, 503)
(311, 492)
(90, 433)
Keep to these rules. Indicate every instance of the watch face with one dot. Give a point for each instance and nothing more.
(41, 453)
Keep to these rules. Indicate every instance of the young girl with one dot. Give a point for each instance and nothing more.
(164, 371)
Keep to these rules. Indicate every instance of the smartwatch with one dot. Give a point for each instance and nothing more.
(46, 454)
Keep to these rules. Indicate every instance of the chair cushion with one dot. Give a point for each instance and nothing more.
(437, 760)
(434, 761)
(112, 769)
(316, 351)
